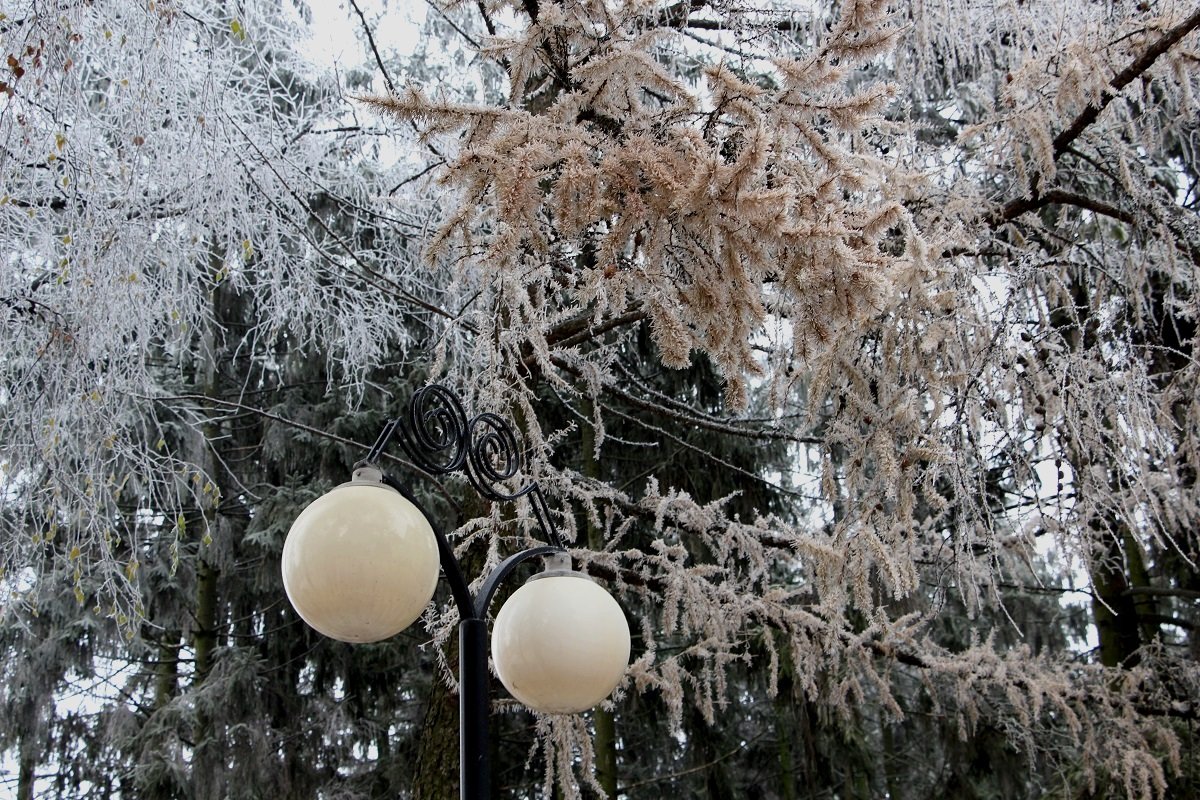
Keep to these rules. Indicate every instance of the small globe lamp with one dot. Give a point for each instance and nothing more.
(560, 643)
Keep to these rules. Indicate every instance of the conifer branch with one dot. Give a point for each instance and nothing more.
(1038, 200)
(1065, 139)
(1164, 591)
(680, 15)
(583, 329)
(487, 18)
(689, 417)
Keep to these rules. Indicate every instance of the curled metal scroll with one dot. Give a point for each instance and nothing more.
(492, 457)
(439, 439)
(437, 435)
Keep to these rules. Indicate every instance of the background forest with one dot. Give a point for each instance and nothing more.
(852, 344)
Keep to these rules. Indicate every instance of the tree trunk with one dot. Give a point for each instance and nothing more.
(708, 760)
(25, 776)
(166, 671)
(605, 742)
(892, 777)
(1145, 608)
(785, 725)
(436, 773)
(605, 746)
(1113, 608)
(207, 778)
(206, 618)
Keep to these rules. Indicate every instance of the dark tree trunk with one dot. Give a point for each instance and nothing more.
(605, 742)
(436, 774)
(166, 671)
(785, 730)
(25, 776)
(1113, 608)
(206, 618)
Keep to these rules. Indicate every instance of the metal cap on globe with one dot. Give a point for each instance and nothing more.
(361, 562)
(560, 643)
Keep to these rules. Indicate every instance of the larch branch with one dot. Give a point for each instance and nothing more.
(1065, 139)
(1122, 79)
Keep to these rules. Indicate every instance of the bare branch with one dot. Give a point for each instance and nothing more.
(375, 50)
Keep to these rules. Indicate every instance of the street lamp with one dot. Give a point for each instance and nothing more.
(360, 564)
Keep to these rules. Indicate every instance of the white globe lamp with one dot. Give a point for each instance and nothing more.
(560, 643)
(361, 562)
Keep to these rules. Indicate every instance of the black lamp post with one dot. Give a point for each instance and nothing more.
(360, 564)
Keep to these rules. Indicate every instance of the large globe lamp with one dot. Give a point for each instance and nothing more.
(360, 563)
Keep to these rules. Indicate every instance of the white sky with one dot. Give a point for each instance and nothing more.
(336, 28)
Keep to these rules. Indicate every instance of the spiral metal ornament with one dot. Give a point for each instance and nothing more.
(493, 457)
(437, 436)
(439, 439)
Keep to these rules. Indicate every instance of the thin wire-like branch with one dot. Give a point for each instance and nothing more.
(707, 422)
(204, 399)
(471, 40)
(415, 177)
(700, 768)
(661, 433)
(387, 78)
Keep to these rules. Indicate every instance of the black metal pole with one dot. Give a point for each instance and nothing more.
(473, 710)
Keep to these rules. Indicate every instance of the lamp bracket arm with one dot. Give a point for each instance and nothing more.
(459, 588)
(385, 436)
(542, 512)
(502, 571)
